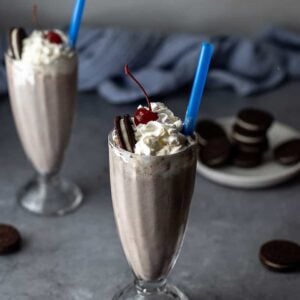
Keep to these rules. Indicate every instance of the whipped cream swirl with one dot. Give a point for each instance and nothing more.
(160, 137)
(38, 50)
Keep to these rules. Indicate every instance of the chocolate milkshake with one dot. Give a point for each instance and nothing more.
(42, 80)
(152, 175)
(42, 88)
(151, 199)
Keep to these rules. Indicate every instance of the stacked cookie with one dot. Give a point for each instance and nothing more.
(246, 145)
(249, 137)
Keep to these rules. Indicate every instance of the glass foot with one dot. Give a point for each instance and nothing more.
(50, 195)
(168, 292)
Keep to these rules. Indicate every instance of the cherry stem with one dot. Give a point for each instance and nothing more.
(34, 14)
(128, 72)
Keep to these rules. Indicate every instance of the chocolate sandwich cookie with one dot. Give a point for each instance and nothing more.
(288, 153)
(208, 130)
(128, 133)
(216, 152)
(248, 136)
(124, 133)
(254, 119)
(10, 239)
(250, 133)
(280, 255)
(119, 137)
(260, 147)
(16, 37)
(246, 159)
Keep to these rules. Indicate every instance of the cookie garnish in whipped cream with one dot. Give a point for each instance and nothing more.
(153, 131)
(16, 37)
(124, 135)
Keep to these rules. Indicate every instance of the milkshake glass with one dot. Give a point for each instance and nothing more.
(151, 199)
(42, 98)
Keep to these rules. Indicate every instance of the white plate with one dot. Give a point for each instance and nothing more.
(268, 174)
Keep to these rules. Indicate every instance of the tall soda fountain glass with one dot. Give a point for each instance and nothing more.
(42, 80)
(152, 175)
(151, 200)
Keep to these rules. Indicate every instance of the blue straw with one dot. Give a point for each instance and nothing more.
(75, 22)
(197, 90)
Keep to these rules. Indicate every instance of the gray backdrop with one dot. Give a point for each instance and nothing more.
(212, 16)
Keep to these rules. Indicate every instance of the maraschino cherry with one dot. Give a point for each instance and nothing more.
(54, 37)
(142, 115)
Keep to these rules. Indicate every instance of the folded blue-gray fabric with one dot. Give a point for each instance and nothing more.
(166, 63)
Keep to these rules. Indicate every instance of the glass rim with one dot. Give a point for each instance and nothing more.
(127, 153)
(19, 62)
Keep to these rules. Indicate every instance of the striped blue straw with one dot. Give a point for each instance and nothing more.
(75, 22)
(197, 89)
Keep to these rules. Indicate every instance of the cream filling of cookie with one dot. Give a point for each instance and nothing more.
(248, 139)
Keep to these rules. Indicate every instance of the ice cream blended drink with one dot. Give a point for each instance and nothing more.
(42, 79)
(152, 173)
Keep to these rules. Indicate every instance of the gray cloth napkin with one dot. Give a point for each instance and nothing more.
(165, 63)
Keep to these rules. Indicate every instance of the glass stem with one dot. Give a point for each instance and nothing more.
(150, 287)
(46, 178)
(45, 181)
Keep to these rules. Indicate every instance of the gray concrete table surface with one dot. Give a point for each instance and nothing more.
(79, 256)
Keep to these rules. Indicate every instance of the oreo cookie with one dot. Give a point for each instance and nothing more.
(16, 37)
(10, 239)
(208, 130)
(250, 133)
(246, 159)
(258, 148)
(248, 140)
(248, 136)
(254, 119)
(254, 147)
(128, 133)
(125, 137)
(288, 153)
(119, 137)
(280, 255)
(216, 152)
